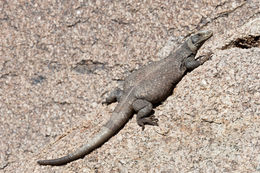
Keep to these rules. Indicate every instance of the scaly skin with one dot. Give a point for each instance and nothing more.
(142, 89)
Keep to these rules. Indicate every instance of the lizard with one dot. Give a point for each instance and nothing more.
(142, 90)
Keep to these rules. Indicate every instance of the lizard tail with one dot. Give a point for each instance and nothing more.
(104, 134)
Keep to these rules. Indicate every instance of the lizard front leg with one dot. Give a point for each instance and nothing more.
(191, 63)
(144, 109)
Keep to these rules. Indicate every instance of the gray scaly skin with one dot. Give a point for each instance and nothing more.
(144, 88)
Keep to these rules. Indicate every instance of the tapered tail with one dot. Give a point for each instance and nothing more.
(104, 135)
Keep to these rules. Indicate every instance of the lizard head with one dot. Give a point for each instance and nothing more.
(196, 40)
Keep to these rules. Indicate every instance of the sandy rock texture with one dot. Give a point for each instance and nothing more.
(58, 59)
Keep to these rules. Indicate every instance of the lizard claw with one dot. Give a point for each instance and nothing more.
(204, 58)
(148, 121)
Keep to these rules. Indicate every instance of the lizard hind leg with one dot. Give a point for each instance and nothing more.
(144, 109)
(114, 96)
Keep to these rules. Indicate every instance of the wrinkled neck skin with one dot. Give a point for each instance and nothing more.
(191, 46)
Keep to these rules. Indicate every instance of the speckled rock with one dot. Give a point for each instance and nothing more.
(59, 58)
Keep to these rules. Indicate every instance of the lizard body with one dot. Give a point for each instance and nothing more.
(142, 89)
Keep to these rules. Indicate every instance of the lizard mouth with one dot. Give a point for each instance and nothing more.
(196, 40)
(207, 34)
(200, 37)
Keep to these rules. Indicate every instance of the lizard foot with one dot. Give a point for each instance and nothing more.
(203, 58)
(151, 120)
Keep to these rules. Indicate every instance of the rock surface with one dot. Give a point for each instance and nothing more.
(59, 58)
